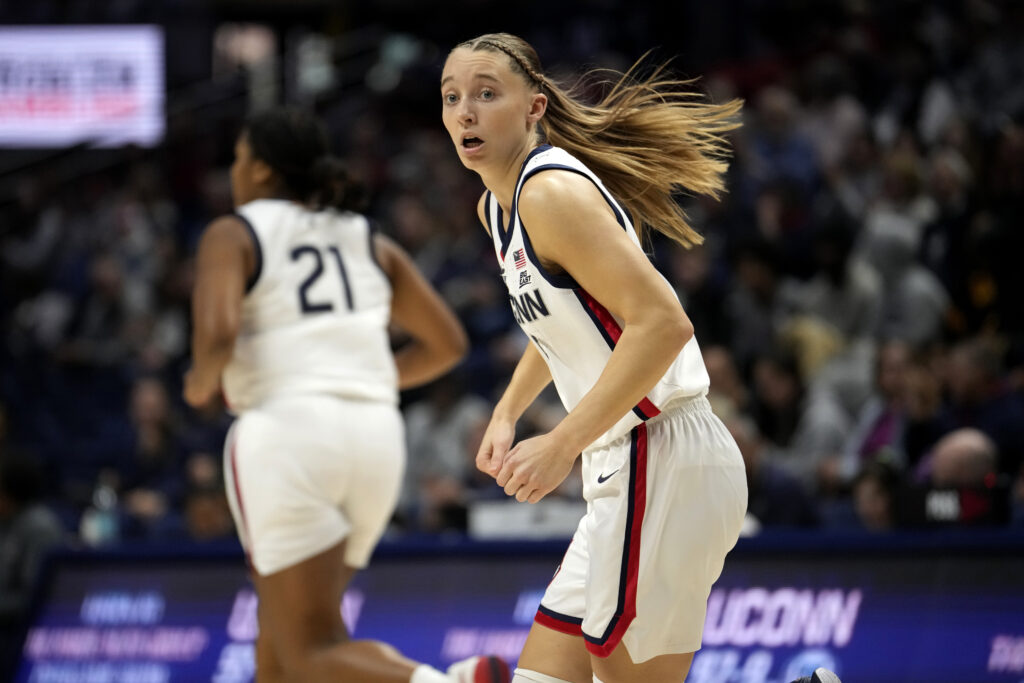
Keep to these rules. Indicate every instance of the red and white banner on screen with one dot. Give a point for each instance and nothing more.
(64, 85)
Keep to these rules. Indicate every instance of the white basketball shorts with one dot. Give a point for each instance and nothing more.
(304, 473)
(664, 505)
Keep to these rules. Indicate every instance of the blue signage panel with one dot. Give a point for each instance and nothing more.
(951, 617)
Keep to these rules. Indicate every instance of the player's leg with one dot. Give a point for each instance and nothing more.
(663, 537)
(550, 656)
(301, 619)
(300, 612)
(268, 669)
(554, 651)
(310, 521)
(618, 667)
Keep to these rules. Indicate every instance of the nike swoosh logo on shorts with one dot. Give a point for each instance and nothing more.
(602, 478)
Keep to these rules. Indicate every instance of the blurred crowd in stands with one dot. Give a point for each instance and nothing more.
(857, 298)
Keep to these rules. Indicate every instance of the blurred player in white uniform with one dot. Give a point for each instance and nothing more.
(663, 479)
(292, 302)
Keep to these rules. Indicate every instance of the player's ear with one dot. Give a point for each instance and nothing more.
(538, 105)
(262, 173)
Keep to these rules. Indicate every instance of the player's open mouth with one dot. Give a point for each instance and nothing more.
(471, 142)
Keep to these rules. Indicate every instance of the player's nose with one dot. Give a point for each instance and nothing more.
(466, 112)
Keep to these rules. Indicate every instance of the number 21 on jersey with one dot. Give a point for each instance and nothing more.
(313, 257)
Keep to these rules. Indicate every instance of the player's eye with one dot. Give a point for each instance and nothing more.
(450, 98)
(486, 94)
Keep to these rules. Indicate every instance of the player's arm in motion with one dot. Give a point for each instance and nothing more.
(573, 230)
(438, 340)
(224, 262)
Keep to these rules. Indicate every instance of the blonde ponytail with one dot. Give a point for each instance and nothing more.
(648, 138)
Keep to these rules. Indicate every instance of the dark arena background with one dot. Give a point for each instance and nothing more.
(857, 300)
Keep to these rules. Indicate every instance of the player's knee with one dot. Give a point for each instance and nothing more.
(528, 676)
(267, 664)
(619, 667)
(299, 656)
(294, 663)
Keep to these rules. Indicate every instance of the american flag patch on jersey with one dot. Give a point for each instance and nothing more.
(519, 256)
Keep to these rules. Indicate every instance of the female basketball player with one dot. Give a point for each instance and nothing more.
(292, 301)
(566, 186)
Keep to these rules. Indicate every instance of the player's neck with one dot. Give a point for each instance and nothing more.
(502, 181)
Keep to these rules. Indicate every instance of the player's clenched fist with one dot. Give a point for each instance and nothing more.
(495, 444)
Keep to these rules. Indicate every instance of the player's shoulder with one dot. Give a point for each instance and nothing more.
(229, 227)
(386, 252)
(556, 188)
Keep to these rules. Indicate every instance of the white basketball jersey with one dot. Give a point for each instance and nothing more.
(573, 331)
(315, 317)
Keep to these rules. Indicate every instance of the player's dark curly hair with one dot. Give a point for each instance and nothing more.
(294, 143)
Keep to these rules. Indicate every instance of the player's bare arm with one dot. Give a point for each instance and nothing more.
(438, 339)
(528, 380)
(224, 262)
(573, 230)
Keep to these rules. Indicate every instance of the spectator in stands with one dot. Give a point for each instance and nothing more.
(204, 512)
(29, 530)
(443, 433)
(782, 174)
(152, 471)
(915, 304)
(980, 397)
(1002, 240)
(781, 149)
(874, 496)
(775, 497)
(881, 422)
(904, 207)
(207, 515)
(857, 181)
(944, 243)
(926, 417)
(844, 291)
(964, 458)
(752, 304)
(833, 116)
(165, 328)
(95, 338)
(700, 290)
(30, 239)
(728, 393)
(833, 315)
(807, 426)
(138, 220)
